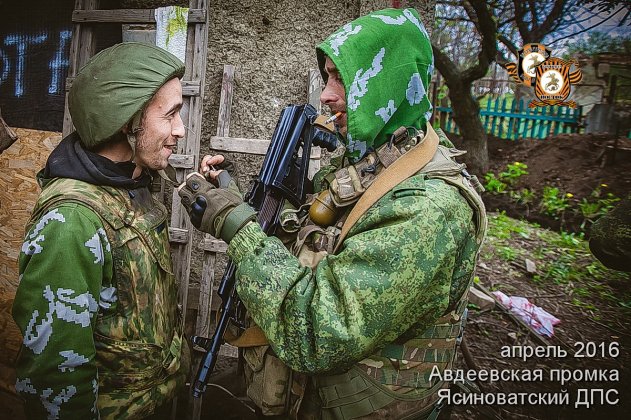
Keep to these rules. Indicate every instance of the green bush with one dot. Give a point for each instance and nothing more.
(508, 178)
(596, 205)
(553, 202)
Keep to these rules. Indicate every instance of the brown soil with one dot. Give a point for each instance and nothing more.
(574, 163)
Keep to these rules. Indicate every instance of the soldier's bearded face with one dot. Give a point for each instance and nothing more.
(334, 95)
(162, 126)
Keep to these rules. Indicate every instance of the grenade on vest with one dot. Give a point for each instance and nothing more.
(323, 211)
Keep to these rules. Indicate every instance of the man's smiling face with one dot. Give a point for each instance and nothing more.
(162, 127)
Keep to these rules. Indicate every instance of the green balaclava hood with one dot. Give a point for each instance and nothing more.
(385, 62)
(115, 85)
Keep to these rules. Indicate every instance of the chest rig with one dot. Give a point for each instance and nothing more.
(333, 211)
(395, 382)
(140, 354)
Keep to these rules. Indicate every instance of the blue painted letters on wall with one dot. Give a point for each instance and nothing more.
(15, 50)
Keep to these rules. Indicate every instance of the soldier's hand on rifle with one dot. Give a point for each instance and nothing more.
(218, 211)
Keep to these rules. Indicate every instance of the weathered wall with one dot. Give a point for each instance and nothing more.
(272, 44)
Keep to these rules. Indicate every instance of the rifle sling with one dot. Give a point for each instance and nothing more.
(403, 168)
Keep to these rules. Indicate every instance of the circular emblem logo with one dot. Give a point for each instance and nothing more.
(552, 82)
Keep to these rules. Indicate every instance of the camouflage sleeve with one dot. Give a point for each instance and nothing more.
(64, 259)
(394, 271)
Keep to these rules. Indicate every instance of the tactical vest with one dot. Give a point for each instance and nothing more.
(395, 383)
(140, 355)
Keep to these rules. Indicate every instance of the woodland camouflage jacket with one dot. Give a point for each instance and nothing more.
(97, 305)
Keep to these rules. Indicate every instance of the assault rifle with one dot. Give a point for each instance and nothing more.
(283, 177)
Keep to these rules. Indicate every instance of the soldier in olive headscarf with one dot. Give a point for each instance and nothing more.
(97, 299)
(365, 328)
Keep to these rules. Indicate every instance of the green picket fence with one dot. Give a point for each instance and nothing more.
(515, 120)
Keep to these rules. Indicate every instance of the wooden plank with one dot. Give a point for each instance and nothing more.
(314, 89)
(210, 244)
(182, 161)
(197, 47)
(557, 125)
(200, 44)
(178, 235)
(207, 286)
(202, 325)
(82, 46)
(189, 87)
(541, 132)
(549, 125)
(525, 120)
(225, 101)
(486, 116)
(502, 119)
(130, 16)
(250, 146)
(239, 145)
(568, 127)
(197, 38)
(511, 122)
(495, 117)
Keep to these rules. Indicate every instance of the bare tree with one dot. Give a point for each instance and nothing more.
(460, 81)
(511, 22)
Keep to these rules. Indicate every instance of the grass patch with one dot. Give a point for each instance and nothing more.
(562, 259)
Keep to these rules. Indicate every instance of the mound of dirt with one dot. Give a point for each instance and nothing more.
(573, 163)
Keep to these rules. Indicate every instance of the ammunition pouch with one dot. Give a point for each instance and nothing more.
(272, 385)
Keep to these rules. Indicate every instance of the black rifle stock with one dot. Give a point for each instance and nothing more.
(283, 176)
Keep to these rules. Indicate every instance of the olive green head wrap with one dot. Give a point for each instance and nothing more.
(115, 85)
(385, 62)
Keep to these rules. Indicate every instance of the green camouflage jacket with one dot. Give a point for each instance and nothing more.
(97, 304)
(407, 260)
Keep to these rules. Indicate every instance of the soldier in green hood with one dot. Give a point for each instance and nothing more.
(97, 299)
(362, 326)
